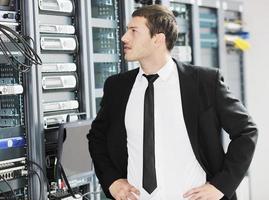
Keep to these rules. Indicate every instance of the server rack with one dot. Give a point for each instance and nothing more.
(13, 133)
(184, 45)
(233, 66)
(104, 30)
(234, 30)
(209, 37)
(60, 86)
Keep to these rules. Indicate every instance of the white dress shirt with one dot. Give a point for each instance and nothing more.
(177, 169)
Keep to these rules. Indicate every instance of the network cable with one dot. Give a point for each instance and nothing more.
(20, 43)
(13, 193)
(66, 182)
(27, 50)
(43, 173)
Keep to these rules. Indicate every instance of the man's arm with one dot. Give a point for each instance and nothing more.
(104, 168)
(243, 134)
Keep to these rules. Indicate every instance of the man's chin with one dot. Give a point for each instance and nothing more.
(129, 59)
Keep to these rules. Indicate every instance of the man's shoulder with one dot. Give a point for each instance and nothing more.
(201, 69)
(124, 75)
(122, 78)
(201, 72)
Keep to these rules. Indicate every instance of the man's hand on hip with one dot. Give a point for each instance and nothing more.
(204, 192)
(122, 190)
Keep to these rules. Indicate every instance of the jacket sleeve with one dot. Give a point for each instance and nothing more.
(104, 168)
(243, 134)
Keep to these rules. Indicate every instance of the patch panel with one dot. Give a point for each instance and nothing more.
(12, 173)
(21, 160)
(59, 82)
(6, 81)
(60, 6)
(9, 75)
(9, 122)
(9, 112)
(58, 29)
(8, 16)
(58, 43)
(60, 106)
(11, 89)
(7, 102)
(59, 67)
(13, 168)
(55, 120)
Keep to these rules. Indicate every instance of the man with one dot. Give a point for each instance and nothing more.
(157, 135)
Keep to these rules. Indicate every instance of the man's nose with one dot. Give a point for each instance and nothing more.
(124, 38)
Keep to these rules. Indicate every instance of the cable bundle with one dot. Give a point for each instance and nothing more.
(19, 42)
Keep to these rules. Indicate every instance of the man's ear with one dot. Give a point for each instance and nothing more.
(159, 39)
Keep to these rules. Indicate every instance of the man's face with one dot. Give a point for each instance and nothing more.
(138, 44)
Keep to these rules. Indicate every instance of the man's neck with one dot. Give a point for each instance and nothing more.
(153, 65)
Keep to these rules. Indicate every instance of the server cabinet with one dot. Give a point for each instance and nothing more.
(13, 134)
(209, 38)
(235, 44)
(79, 44)
(234, 38)
(59, 88)
(105, 28)
(184, 45)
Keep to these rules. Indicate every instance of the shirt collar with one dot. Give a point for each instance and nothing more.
(163, 73)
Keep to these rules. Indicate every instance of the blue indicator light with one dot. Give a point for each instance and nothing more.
(12, 142)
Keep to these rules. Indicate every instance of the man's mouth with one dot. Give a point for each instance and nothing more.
(126, 48)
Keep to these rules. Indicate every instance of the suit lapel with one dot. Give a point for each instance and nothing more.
(188, 79)
(128, 80)
(118, 134)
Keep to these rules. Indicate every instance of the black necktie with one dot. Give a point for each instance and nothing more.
(149, 171)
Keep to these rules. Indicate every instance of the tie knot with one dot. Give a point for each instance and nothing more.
(151, 78)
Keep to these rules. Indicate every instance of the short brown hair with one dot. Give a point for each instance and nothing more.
(160, 20)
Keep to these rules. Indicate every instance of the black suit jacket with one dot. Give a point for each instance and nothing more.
(208, 106)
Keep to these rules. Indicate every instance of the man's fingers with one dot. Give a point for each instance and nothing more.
(134, 190)
(204, 192)
(132, 196)
(191, 192)
(195, 197)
